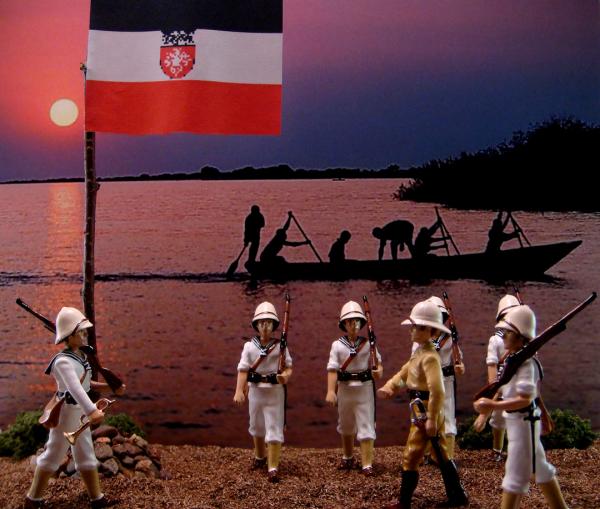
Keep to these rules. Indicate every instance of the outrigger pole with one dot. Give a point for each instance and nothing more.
(445, 233)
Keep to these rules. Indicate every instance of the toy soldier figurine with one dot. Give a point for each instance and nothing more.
(350, 384)
(526, 454)
(258, 369)
(443, 345)
(73, 373)
(495, 356)
(422, 376)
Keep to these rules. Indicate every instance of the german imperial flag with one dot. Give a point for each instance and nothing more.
(202, 66)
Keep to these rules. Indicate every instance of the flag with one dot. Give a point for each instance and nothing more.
(202, 66)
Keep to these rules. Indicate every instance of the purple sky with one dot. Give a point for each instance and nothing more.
(366, 84)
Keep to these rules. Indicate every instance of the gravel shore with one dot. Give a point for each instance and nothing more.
(219, 477)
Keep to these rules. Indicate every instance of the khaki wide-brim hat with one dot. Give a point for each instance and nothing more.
(429, 314)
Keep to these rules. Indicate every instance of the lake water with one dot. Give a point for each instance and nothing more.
(177, 342)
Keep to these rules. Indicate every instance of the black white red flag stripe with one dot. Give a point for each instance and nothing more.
(203, 66)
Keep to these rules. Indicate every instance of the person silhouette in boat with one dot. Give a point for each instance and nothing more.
(337, 253)
(270, 254)
(399, 233)
(253, 223)
(497, 236)
(425, 242)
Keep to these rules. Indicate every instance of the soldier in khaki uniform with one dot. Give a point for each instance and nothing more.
(422, 376)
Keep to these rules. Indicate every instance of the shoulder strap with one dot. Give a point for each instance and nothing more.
(264, 352)
(353, 352)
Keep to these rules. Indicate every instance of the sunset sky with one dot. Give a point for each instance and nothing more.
(365, 84)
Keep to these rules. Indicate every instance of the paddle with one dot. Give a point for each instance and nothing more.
(307, 239)
(233, 267)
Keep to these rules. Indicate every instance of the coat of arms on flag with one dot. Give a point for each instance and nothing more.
(201, 66)
(177, 54)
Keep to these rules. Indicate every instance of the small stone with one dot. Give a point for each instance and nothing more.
(126, 449)
(110, 467)
(103, 451)
(147, 467)
(119, 439)
(139, 441)
(128, 462)
(105, 431)
(103, 440)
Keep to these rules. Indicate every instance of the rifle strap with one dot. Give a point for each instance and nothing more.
(353, 349)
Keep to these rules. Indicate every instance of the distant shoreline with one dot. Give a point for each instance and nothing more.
(280, 172)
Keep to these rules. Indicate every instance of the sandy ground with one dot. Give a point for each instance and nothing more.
(217, 477)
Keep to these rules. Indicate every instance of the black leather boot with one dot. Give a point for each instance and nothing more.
(410, 478)
(457, 496)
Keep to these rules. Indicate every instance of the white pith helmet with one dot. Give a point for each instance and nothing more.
(439, 303)
(265, 311)
(352, 310)
(68, 321)
(427, 313)
(507, 302)
(520, 319)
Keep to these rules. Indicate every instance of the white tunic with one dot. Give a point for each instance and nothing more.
(519, 462)
(67, 371)
(265, 400)
(356, 407)
(495, 352)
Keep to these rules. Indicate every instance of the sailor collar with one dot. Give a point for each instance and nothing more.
(266, 349)
(353, 347)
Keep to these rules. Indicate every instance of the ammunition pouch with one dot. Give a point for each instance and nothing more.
(256, 378)
(361, 376)
(448, 370)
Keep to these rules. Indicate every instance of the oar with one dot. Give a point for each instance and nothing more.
(307, 239)
(233, 267)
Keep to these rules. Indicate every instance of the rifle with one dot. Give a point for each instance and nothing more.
(113, 381)
(284, 331)
(373, 362)
(518, 295)
(456, 353)
(514, 361)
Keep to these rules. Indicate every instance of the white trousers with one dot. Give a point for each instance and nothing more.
(449, 415)
(497, 420)
(356, 411)
(57, 445)
(266, 412)
(519, 463)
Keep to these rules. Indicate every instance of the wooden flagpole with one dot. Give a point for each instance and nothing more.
(91, 188)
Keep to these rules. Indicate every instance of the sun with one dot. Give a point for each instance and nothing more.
(64, 112)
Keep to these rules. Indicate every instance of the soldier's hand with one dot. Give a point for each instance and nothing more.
(385, 393)
(377, 373)
(283, 379)
(459, 369)
(331, 398)
(96, 417)
(239, 397)
(121, 390)
(479, 423)
(483, 405)
(430, 428)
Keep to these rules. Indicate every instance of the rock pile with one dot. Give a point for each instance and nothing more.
(118, 455)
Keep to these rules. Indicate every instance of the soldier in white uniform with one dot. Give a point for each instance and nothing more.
(495, 354)
(526, 456)
(72, 372)
(259, 380)
(350, 385)
(443, 346)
